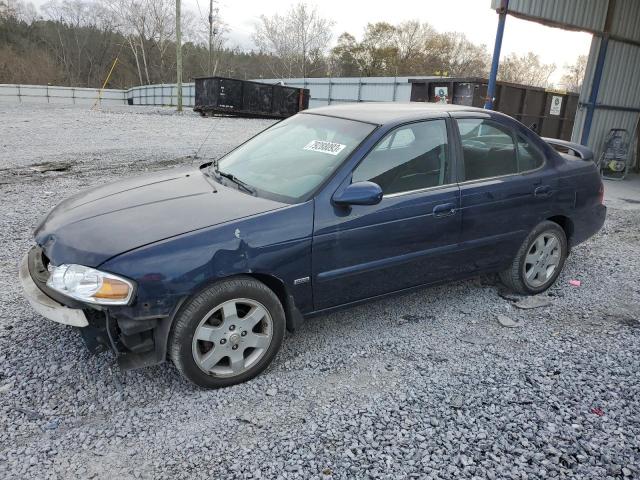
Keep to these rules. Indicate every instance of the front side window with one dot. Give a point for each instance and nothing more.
(488, 149)
(291, 159)
(411, 157)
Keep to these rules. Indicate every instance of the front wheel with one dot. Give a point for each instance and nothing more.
(539, 260)
(228, 333)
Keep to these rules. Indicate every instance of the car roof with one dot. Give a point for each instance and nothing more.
(381, 113)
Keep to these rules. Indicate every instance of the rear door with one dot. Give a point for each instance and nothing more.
(505, 189)
(408, 238)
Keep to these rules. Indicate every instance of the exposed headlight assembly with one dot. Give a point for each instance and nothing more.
(90, 285)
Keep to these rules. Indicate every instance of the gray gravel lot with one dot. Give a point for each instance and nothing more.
(426, 385)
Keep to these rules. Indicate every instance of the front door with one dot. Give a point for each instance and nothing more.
(409, 238)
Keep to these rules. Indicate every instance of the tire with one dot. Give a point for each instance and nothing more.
(530, 272)
(228, 333)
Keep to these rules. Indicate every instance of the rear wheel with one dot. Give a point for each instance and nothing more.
(228, 333)
(539, 260)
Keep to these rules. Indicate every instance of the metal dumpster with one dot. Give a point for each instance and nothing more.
(230, 96)
(549, 112)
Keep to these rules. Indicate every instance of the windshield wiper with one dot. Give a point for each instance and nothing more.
(230, 176)
(246, 187)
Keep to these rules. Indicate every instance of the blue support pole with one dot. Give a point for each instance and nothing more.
(491, 90)
(595, 88)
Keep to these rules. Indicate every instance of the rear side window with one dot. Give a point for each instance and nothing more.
(411, 157)
(488, 149)
(529, 157)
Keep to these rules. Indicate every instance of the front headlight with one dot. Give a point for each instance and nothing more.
(90, 285)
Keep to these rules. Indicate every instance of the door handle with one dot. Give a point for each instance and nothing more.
(444, 210)
(543, 191)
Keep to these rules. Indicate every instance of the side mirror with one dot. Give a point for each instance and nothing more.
(359, 193)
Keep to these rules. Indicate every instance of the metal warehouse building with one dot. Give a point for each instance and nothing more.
(610, 95)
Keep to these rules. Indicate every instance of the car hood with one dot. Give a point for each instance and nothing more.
(98, 224)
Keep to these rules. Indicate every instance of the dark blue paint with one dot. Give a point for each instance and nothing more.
(177, 231)
(359, 193)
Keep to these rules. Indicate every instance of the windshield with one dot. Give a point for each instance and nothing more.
(292, 158)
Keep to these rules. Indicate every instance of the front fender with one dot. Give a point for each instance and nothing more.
(276, 243)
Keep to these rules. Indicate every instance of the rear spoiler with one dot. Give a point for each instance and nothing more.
(575, 149)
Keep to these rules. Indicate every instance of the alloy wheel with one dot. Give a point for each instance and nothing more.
(232, 337)
(542, 260)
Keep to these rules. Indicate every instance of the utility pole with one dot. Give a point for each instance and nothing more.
(178, 56)
(210, 37)
(213, 31)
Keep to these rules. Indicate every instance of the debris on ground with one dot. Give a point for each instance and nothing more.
(6, 387)
(457, 401)
(507, 321)
(509, 295)
(575, 283)
(51, 167)
(537, 301)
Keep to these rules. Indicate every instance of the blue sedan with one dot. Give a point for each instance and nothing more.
(332, 207)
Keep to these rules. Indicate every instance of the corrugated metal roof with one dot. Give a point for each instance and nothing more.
(581, 14)
(586, 15)
(626, 20)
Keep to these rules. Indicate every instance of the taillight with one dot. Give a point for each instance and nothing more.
(601, 194)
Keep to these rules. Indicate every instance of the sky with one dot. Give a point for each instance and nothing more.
(475, 18)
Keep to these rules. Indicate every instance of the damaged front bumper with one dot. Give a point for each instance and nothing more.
(137, 342)
(45, 305)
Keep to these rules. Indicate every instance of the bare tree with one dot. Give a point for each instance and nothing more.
(77, 47)
(452, 52)
(410, 38)
(135, 23)
(296, 40)
(18, 9)
(162, 20)
(526, 69)
(409, 48)
(572, 79)
(211, 32)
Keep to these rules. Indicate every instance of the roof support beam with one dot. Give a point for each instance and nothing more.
(597, 74)
(495, 63)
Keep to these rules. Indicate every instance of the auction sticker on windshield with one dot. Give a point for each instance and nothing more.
(324, 147)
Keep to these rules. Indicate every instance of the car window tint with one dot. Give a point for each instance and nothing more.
(410, 157)
(529, 157)
(488, 149)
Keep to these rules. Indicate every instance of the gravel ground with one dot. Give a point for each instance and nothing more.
(427, 385)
